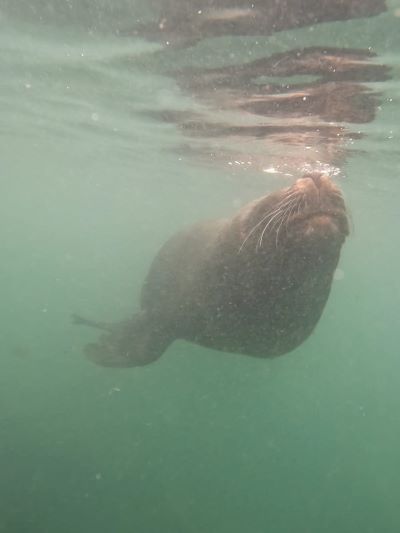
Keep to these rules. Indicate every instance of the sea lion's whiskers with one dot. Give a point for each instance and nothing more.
(281, 211)
(301, 202)
(252, 231)
(279, 224)
(277, 208)
(275, 212)
(286, 217)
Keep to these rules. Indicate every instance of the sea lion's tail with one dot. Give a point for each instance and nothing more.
(135, 342)
(79, 320)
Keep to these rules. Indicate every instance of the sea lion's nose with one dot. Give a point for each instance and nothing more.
(317, 178)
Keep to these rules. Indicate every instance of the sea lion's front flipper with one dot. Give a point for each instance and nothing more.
(136, 342)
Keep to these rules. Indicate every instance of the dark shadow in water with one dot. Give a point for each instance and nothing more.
(248, 120)
(284, 112)
(185, 22)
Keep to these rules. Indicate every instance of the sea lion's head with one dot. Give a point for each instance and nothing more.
(311, 214)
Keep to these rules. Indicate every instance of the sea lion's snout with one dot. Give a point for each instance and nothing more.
(323, 207)
(315, 180)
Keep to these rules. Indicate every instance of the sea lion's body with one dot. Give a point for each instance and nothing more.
(254, 284)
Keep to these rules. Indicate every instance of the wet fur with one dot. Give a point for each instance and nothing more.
(254, 284)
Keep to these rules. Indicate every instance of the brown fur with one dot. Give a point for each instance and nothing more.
(254, 284)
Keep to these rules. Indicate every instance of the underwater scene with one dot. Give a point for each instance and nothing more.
(200, 294)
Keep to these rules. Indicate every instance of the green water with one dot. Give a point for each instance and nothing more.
(200, 441)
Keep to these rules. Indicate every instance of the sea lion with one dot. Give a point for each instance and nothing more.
(254, 284)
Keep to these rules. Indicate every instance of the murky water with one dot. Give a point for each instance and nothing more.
(98, 168)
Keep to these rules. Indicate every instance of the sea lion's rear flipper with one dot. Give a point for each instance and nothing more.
(79, 320)
(136, 342)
